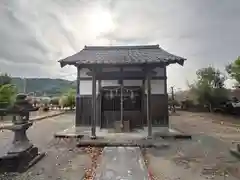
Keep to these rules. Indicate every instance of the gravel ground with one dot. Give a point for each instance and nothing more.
(62, 161)
(206, 156)
(204, 124)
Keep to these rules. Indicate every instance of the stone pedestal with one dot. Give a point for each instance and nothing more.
(236, 151)
(21, 161)
(22, 153)
(20, 141)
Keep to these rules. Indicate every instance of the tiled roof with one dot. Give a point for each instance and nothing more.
(122, 55)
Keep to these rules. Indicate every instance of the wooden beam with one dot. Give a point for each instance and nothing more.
(121, 73)
(90, 66)
(126, 78)
(78, 105)
(118, 75)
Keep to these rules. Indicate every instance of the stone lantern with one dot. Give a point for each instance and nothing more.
(22, 153)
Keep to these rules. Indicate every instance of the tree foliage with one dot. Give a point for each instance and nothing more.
(233, 70)
(45, 100)
(68, 99)
(55, 101)
(211, 77)
(7, 90)
(209, 88)
(173, 102)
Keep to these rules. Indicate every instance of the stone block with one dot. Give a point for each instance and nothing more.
(20, 162)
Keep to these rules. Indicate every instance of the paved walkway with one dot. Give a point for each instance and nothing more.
(124, 163)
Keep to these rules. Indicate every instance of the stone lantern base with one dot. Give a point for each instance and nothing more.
(20, 162)
(22, 154)
(236, 151)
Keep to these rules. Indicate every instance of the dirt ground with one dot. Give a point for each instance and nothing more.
(206, 156)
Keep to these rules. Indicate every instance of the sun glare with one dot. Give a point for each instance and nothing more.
(101, 21)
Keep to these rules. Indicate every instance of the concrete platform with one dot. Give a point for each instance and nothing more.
(167, 133)
(72, 132)
(122, 163)
(162, 132)
(106, 137)
(143, 143)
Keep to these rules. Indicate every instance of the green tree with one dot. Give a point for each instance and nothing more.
(233, 70)
(173, 102)
(45, 100)
(209, 88)
(63, 101)
(55, 101)
(211, 77)
(69, 99)
(7, 90)
(7, 94)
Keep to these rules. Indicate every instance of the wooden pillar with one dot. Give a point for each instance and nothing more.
(143, 103)
(149, 114)
(121, 101)
(94, 113)
(166, 118)
(78, 105)
(99, 103)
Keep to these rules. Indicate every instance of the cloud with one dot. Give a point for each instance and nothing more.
(35, 34)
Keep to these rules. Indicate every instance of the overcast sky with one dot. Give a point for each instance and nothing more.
(34, 34)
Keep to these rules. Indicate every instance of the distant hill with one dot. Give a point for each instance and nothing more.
(41, 86)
